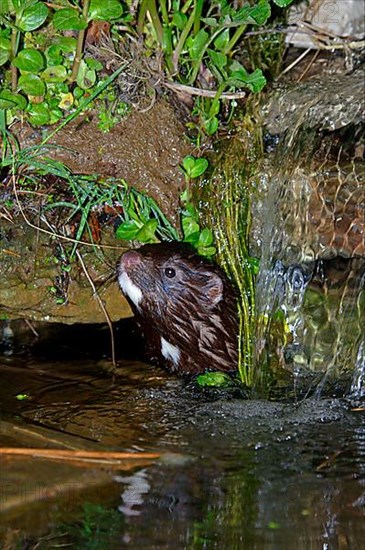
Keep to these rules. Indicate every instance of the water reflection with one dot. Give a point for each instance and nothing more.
(242, 501)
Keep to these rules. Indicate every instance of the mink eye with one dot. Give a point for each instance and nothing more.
(170, 272)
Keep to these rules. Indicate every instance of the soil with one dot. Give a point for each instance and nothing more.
(145, 149)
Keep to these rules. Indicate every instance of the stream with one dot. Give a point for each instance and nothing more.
(232, 472)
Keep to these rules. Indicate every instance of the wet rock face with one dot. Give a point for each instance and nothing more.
(184, 305)
(35, 285)
(322, 214)
(325, 103)
(316, 170)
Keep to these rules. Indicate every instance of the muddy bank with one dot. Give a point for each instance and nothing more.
(37, 281)
(145, 149)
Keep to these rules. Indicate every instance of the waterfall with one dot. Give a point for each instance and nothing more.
(310, 296)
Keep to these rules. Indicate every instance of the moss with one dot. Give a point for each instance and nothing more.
(225, 199)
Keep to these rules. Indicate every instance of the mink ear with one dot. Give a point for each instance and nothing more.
(214, 289)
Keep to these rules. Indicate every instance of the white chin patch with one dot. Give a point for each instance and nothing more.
(170, 352)
(130, 289)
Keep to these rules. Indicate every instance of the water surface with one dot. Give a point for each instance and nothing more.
(233, 473)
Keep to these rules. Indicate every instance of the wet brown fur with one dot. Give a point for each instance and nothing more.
(194, 311)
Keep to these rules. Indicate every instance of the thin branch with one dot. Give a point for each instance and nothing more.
(295, 62)
(191, 90)
(101, 304)
(53, 233)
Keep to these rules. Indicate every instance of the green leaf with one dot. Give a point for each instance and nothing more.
(218, 379)
(8, 100)
(55, 114)
(254, 15)
(189, 227)
(105, 10)
(93, 63)
(210, 21)
(235, 65)
(55, 73)
(192, 239)
(32, 85)
(38, 114)
(254, 264)
(201, 164)
(30, 60)
(6, 103)
(166, 40)
(68, 19)
(197, 44)
(54, 55)
(78, 92)
(222, 40)
(211, 125)
(6, 6)
(179, 19)
(127, 230)
(22, 396)
(67, 44)
(218, 58)
(147, 232)
(188, 164)
(5, 50)
(283, 3)
(32, 17)
(214, 108)
(273, 525)
(194, 167)
(207, 251)
(254, 81)
(86, 77)
(205, 238)
(190, 210)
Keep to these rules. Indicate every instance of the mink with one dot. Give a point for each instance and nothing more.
(184, 305)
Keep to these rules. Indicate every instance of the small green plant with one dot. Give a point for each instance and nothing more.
(97, 527)
(22, 396)
(214, 379)
(199, 41)
(144, 221)
(141, 219)
(201, 239)
(110, 110)
(46, 71)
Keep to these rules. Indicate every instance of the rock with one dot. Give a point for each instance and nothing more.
(335, 20)
(35, 285)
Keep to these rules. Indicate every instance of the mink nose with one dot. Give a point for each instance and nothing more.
(130, 259)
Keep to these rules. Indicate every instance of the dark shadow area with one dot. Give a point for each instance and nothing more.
(57, 341)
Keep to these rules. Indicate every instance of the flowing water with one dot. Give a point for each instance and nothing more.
(311, 286)
(232, 472)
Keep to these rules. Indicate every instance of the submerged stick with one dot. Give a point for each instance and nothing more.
(66, 454)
